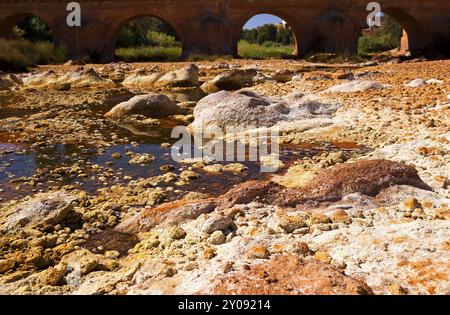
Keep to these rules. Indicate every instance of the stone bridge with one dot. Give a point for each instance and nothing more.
(212, 27)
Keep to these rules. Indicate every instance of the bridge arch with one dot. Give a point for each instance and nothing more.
(8, 24)
(240, 21)
(114, 32)
(414, 29)
(414, 37)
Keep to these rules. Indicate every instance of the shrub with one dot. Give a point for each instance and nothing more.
(33, 29)
(194, 58)
(384, 38)
(369, 44)
(136, 54)
(136, 32)
(255, 51)
(161, 39)
(18, 55)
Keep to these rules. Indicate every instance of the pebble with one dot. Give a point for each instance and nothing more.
(216, 222)
(188, 175)
(411, 203)
(209, 253)
(258, 252)
(323, 257)
(291, 223)
(217, 238)
(177, 233)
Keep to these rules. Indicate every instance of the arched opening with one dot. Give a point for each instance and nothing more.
(25, 26)
(27, 40)
(32, 28)
(388, 38)
(147, 38)
(267, 36)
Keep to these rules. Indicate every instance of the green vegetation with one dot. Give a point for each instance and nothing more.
(31, 46)
(141, 32)
(147, 39)
(34, 29)
(269, 33)
(18, 55)
(264, 51)
(137, 54)
(267, 41)
(194, 58)
(384, 38)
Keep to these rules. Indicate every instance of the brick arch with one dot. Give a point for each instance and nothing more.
(213, 26)
(240, 21)
(412, 26)
(8, 23)
(114, 31)
(416, 34)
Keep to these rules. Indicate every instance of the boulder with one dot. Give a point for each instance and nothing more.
(365, 177)
(186, 77)
(84, 78)
(141, 80)
(246, 109)
(170, 214)
(355, 86)
(149, 105)
(230, 80)
(40, 211)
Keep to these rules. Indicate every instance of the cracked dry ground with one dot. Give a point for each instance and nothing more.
(372, 222)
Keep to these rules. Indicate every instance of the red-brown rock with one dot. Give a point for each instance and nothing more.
(289, 275)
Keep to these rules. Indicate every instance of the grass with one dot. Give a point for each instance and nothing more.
(20, 55)
(268, 50)
(137, 54)
(376, 44)
(194, 58)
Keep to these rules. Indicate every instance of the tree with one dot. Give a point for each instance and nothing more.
(135, 33)
(34, 29)
(268, 33)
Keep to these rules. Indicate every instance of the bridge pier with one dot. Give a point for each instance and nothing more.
(207, 35)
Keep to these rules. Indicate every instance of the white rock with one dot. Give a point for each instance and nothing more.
(77, 79)
(230, 80)
(434, 81)
(186, 77)
(417, 83)
(248, 110)
(141, 80)
(42, 209)
(149, 105)
(355, 86)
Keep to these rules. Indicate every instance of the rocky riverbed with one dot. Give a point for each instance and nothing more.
(92, 202)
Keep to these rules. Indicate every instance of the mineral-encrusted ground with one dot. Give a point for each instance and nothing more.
(369, 216)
